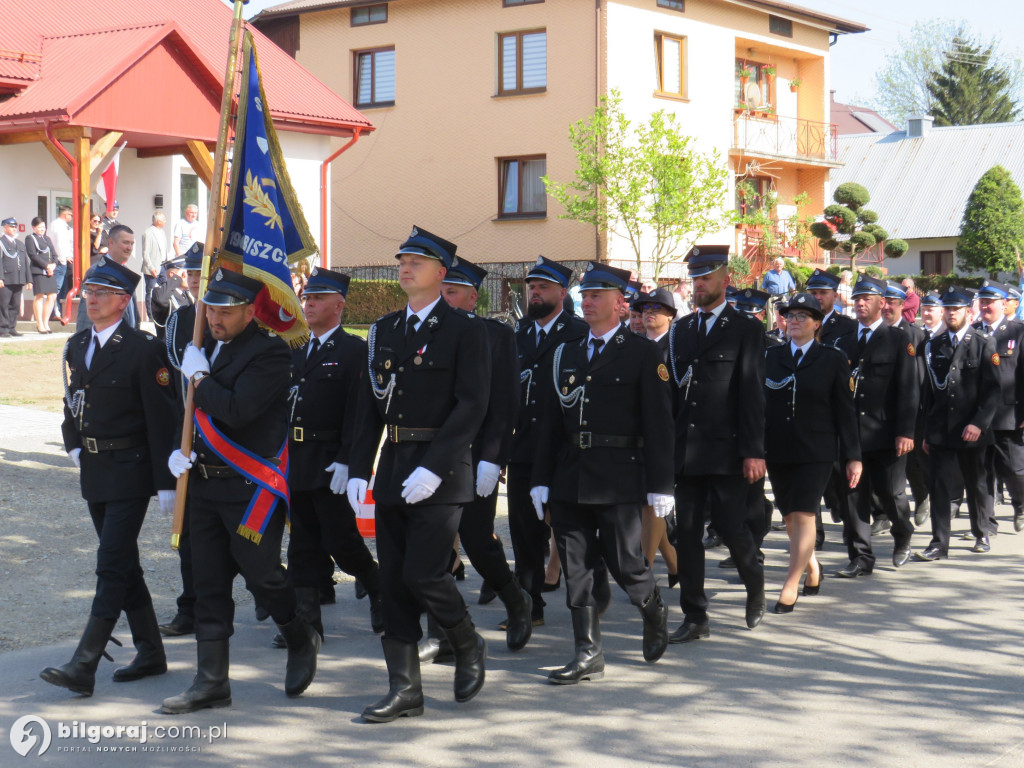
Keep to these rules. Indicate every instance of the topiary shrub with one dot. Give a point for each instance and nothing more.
(896, 248)
(852, 195)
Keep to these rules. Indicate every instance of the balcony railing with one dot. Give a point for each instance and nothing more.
(763, 133)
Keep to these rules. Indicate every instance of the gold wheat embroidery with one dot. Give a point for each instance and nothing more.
(260, 201)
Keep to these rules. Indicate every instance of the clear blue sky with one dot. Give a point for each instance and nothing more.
(856, 58)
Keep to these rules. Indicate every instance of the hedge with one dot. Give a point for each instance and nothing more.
(370, 299)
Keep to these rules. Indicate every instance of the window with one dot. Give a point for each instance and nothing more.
(510, 3)
(936, 262)
(669, 55)
(780, 26)
(753, 194)
(520, 189)
(674, 5)
(522, 62)
(757, 93)
(375, 78)
(369, 14)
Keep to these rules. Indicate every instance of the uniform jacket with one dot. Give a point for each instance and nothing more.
(126, 393)
(441, 380)
(40, 253)
(494, 443)
(535, 368)
(1008, 336)
(886, 382)
(623, 392)
(14, 269)
(816, 423)
(246, 396)
(323, 397)
(835, 327)
(718, 391)
(963, 388)
(917, 338)
(168, 296)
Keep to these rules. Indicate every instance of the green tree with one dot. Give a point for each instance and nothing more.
(970, 90)
(643, 182)
(992, 230)
(851, 228)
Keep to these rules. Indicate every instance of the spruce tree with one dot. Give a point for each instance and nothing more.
(992, 231)
(970, 90)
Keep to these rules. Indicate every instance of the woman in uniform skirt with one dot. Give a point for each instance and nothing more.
(810, 422)
(43, 259)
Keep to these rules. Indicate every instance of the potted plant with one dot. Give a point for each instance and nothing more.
(794, 84)
(769, 72)
(745, 73)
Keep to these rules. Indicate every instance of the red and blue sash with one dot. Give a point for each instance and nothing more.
(272, 480)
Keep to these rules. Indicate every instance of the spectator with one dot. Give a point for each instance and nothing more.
(845, 291)
(62, 234)
(777, 281)
(912, 302)
(154, 252)
(43, 264)
(186, 231)
(681, 297)
(98, 237)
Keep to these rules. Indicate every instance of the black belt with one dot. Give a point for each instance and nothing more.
(411, 434)
(208, 471)
(586, 440)
(95, 445)
(303, 435)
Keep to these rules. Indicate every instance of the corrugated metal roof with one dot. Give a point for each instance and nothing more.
(920, 186)
(295, 95)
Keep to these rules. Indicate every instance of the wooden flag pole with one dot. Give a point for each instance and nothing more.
(214, 225)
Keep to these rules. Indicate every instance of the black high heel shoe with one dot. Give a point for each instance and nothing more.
(460, 572)
(811, 591)
(673, 579)
(545, 587)
(781, 607)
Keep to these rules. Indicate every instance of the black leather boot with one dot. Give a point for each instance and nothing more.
(405, 694)
(210, 687)
(519, 605)
(149, 647)
(435, 646)
(589, 661)
(181, 624)
(655, 615)
(79, 674)
(303, 646)
(470, 657)
(307, 605)
(370, 579)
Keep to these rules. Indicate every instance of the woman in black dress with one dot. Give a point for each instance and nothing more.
(810, 423)
(43, 259)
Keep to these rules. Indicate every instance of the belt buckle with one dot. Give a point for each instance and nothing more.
(90, 445)
(586, 440)
(392, 433)
(202, 471)
(297, 434)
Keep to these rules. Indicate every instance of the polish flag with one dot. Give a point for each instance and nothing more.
(108, 179)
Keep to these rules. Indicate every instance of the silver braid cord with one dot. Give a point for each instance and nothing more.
(573, 398)
(931, 372)
(791, 379)
(379, 392)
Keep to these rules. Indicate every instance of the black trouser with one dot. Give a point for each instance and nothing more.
(946, 485)
(119, 581)
(884, 479)
(219, 553)
(476, 532)
(414, 546)
(918, 474)
(10, 307)
(759, 513)
(530, 536)
(582, 550)
(725, 497)
(187, 598)
(1006, 463)
(324, 522)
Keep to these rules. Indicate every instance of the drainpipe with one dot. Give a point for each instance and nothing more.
(76, 173)
(323, 196)
(597, 102)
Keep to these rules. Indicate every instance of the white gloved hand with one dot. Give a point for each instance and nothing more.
(73, 455)
(178, 464)
(486, 478)
(166, 499)
(663, 503)
(339, 477)
(420, 485)
(539, 494)
(356, 491)
(193, 361)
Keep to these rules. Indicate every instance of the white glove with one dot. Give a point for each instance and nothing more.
(339, 477)
(73, 455)
(420, 485)
(539, 494)
(486, 478)
(166, 499)
(356, 491)
(178, 464)
(193, 361)
(663, 503)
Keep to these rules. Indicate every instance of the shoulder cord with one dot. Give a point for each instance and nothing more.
(7, 253)
(35, 239)
(571, 399)
(526, 377)
(931, 372)
(379, 392)
(791, 379)
(685, 380)
(76, 400)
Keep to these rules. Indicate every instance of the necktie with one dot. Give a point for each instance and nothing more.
(988, 329)
(91, 354)
(953, 340)
(410, 327)
(598, 343)
(314, 345)
(541, 337)
(798, 357)
(702, 323)
(863, 341)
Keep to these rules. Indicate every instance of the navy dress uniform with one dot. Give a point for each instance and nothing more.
(1006, 456)
(963, 391)
(536, 347)
(428, 389)
(241, 401)
(886, 392)
(15, 273)
(169, 295)
(605, 451)
(119, 421)
(717, 364)
(327, 376)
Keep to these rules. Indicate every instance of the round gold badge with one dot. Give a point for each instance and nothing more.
(662, 372)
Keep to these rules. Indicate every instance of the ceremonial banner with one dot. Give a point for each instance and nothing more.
(265, 230)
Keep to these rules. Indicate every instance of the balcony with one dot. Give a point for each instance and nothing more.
(765, 134)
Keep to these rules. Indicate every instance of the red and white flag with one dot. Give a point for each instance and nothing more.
(107, 188)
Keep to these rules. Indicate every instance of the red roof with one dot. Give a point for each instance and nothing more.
(170, 56)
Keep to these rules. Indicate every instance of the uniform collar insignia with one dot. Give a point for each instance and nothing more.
(559, 326)
(398, 319)
(329, 344)
(431, 321)
(619, 338)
